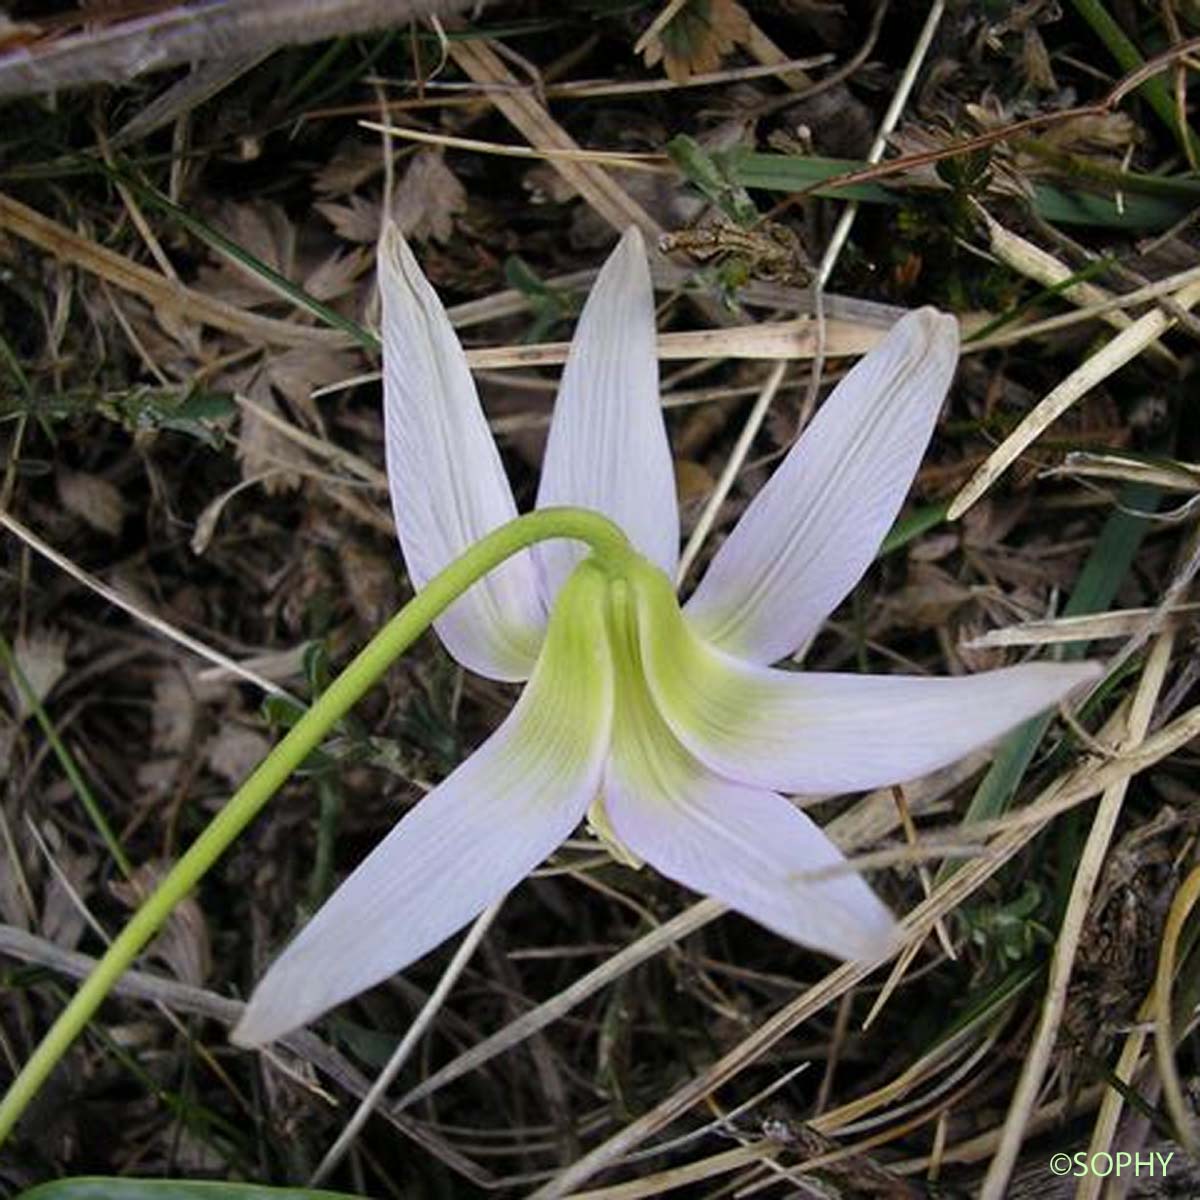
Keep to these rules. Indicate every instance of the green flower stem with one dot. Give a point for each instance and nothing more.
(611, 550)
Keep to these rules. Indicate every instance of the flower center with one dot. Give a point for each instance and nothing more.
(642, 743)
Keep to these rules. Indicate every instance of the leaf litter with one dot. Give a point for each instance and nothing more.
(665, 1047)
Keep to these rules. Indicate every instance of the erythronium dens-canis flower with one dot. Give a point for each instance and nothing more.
(667, 727)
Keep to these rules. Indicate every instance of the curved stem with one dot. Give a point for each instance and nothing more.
(610, 548)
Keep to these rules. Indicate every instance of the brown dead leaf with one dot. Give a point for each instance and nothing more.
(91, 498)
(183, 946)
(266, 231)
(158, 776)
(297, 373)
(173, 715)
(169, 337)
(697, 37)
(358, 220)
(337, 275)
(352, 165)
(693, 481)
(934, 547)
(1108, 135)
(370, 580)
(428, 197)
(62, 922)
(423, 206)
(130, 581)
(1035, 62)
(994, 608)
(264, 452)
(235, 752)
(210, 514)
(1097, 133)
(42, 656)
(928, 600)
(990, 522)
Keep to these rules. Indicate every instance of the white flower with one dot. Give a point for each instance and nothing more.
(670, 726)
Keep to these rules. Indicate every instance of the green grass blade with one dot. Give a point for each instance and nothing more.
(796, 173)
(239, 254)
(1106, 567)
(909, 528)
(299, 90)
(1147, 201)
(90, 804)
(1004, 319)
(1137, 211)
(347, 78)
(1129, 58)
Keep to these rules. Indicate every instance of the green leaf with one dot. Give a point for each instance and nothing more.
(1146, 201)
(520, 275)
(909, 528)
(282, 712)
(548, 305)
(100, 1188)
(317, 668)
(1062, 206)
(797, 173)
(195, 412)
(710, 173)
(372, 1048)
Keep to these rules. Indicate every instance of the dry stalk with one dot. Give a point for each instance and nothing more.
(1122, 349)
(121, 50)
(1104, 1131)
(693, 1172)
(869, 820)
(983, 1145)
(1069, 790)
(796, 339)
(656, 164)
(1099, 310)
(480, 63)
(167, 297)
(421, 1023)
(733, 466)
(1035, 263)
(157, 623)
(1164, 1036)
(1033, 1071)
(1125, 622)
(184, 998)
